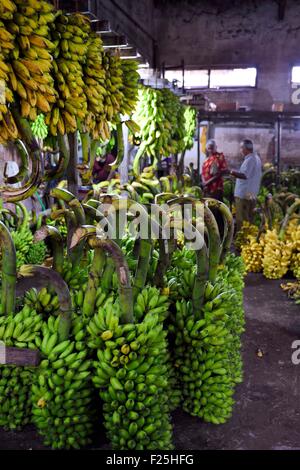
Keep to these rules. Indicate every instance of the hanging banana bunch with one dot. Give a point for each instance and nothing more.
(31, 78)
(113, 85)
(70, 35)
(8, 129)
(130, 86)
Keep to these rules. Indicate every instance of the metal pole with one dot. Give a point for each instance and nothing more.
(278, 147)
(123, 168)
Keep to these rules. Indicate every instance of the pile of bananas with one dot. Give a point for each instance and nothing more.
(8, 129)
(130, 86)
(23, 331)
(132, 375)
(62, 394)
(70, 35)
(39, 128)
(292, 234)
(293, 290)
(253, 253)
(36, 253)
(277, 255)
(31, 61)
(246, 231)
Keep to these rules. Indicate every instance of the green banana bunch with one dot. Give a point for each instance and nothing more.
(22, 330)
(44, 301)
(132, 376)
(62, 395)
(190, 116)
(130, 86)
(113, 85)
(39, 128)
(22, 239)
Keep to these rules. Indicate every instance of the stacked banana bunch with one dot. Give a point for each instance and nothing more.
(130, 86)
(277, 255)
(132, 376)
(31, 59)
(201, 358)
(22, 239)
(113, 86)
(62, 394)
(253, 252)
(39, 128)
(70, 35)
(231, 275)
(292, 235)
(94, 78)
(246, 231)
(8, 129)
(22, 330)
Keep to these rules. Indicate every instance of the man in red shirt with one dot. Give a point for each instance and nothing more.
(213, 169)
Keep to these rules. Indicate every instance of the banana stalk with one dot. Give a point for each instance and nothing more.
(56, 244)
(109, 246)
(228, 224)
(39, 276)
(64, 157)
(23, 167)
(9, 271)
(214, 243)
(120, 143)
(291, 210)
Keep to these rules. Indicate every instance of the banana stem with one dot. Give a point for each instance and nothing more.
(23, 168)
(200, 278)
(108, 274)
(110, 247)
(120, 143)
(56, 245)
(9, 271)
(93, 282)
(64, 158)
(214, 244)
(140, 278)
(228, 224)
(291, 210)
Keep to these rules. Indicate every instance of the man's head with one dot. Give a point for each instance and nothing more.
(211, 147)
(246, 147)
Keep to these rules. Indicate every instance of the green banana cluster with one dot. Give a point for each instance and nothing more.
(130, 86)
(22, 239)
(36, 253)
(44, 301)
(74, 275)
(132, 375)
(39, 128)
(175, 112)
(62, 395)
(190, 115)
(22, 331)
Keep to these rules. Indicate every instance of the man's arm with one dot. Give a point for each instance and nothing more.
(237, 174)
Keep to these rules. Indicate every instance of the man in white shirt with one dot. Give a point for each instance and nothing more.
(246, 189)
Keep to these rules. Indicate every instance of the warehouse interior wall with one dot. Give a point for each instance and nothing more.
(133, 18)
(213, 33)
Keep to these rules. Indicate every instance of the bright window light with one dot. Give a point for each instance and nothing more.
(192, 78)
(296, 74)
(242, 77)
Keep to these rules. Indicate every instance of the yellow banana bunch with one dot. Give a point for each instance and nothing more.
(242, 236)
(31, 58)
(130, 86)
(252, 253)
(277, 255)
(95, 89)
(7, 9)
(8, 129)
(70, 34)
(295, 259)
(113, 84)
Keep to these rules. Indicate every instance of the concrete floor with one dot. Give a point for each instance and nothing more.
(267, 410)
